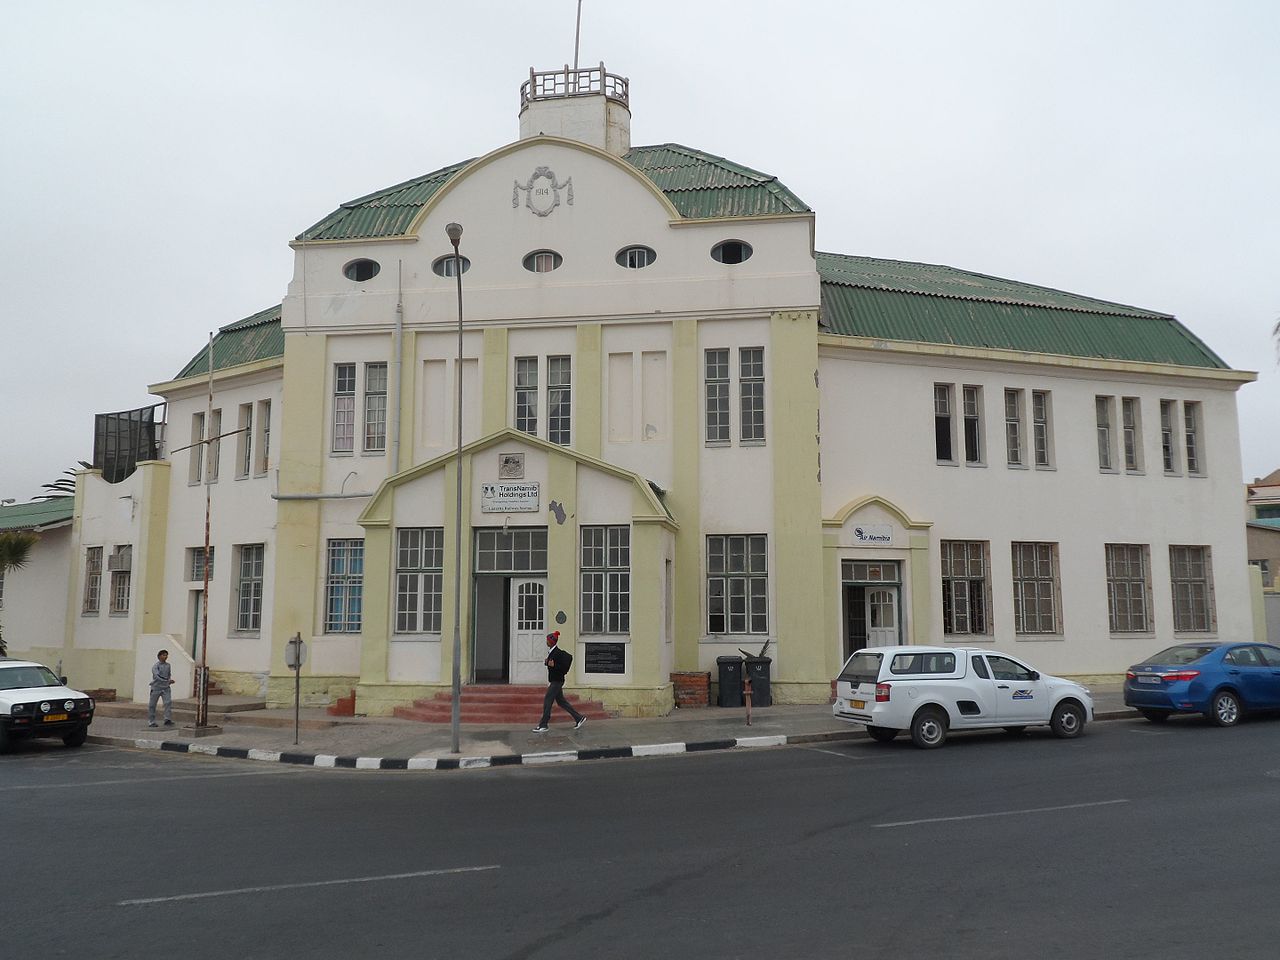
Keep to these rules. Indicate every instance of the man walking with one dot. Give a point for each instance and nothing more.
(558, 662)
(161, 681)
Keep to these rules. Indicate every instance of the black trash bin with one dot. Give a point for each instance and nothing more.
(730, 671)
(758, 673)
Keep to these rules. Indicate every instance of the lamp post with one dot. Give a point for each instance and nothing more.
(454, 232)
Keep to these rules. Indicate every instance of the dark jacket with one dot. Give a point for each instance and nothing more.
(558, 662)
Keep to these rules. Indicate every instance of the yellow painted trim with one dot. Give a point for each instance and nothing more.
(685, 495)
(648, 569)
(532, 142)
(839, 343)
(853, 506)
(562, 553)
(375, 622)
(409, 366)
(588, 389)
(219, 376)
(493, 375)
(153, 533)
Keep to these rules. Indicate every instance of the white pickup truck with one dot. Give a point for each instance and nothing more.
(933, 690)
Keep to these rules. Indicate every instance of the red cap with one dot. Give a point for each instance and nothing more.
(553, 638)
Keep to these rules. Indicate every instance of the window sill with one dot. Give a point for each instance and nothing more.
(736, 638)
(604, 638)
(1109, 471)
(976, 463)
(715, 443)
(244, 634)
(1017, 466)
(1135, 473)
(1038, 637)
(1173, 473)
(341, 453)
(965, 638)
(1197, 476)
(947, 463)
(1134, 635)
(118, 614)
(1047, 467)
(751, 443)
(373, 453)
(1196, 634)
(88, 613)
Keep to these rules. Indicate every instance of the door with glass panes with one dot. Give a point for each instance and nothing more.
(528, 630)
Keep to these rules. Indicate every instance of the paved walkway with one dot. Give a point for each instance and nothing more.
(387, 743)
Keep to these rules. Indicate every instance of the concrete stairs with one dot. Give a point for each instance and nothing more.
(498, 703)
(221, 708)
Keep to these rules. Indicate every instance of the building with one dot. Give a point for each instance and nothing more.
(684, 432)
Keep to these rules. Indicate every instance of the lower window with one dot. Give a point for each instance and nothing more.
(1191, 576)
(1036, 601)
(966, 589)
(737, 584)
(419, 576)
(343, 586)
(249, 564)
(1128, 587)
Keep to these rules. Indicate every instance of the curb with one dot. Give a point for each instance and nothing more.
(332, 761)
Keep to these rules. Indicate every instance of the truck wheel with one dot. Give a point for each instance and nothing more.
(881, 734)
(929, 728)
(1067, 720)
(76, 737)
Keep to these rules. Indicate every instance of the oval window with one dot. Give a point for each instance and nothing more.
(361, 270)
(444, 267)
(542, 261)
(731, 251)
(635, 257)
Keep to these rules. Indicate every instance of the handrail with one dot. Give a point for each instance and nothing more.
(568, 82)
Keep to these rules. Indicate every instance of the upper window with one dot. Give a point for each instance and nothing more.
(559, 400)
(635, 258)
(361, 270)
(1191, 435)
(972, 399)
(375, 407)
(717, 395)
(120, 564)
(943, 430)
(92, 580)
(1013, 428)
(1103, 414)
(1041, 437)
(1169, 435)
(195, 564)
(1131, 423)
(542, 261)
(731, 251)
(344, 407)
(527, 395)
(445, 266)
(751, 393)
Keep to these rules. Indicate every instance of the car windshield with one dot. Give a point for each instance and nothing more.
(1181, 654)
(15, 678)
(863, 667)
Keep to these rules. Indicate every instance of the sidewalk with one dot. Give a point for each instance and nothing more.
(389, 744)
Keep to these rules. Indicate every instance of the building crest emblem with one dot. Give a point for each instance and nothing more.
(542, 192)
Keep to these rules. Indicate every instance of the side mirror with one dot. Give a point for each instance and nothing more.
(64, 680)
(1035, 674)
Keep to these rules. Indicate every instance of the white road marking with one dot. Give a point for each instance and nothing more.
(1001, 813)
(142, 780)
(300, 886)
(832, 753)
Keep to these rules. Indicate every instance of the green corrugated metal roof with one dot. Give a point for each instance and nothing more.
(699, 185)
(926, 303)
(258, 337)
(42, 513)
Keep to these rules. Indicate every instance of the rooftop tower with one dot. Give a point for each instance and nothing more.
(587, 104)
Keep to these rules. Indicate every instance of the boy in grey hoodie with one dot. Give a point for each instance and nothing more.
(161, 681)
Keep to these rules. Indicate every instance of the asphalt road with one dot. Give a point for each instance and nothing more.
(1135, 841)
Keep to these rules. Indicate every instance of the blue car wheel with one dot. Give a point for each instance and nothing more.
(1224, 709)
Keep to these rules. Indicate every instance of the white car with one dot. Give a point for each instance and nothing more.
(933, 690)
(36, 703)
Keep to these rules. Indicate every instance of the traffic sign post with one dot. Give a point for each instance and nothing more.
(295, 655)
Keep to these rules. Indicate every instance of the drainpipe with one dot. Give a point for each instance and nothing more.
(341, 495)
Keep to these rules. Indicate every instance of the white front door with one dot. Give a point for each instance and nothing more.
(882, 616)
(528, 631)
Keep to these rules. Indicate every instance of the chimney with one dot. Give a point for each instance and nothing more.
(587, 104)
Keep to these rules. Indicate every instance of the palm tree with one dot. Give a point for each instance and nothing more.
(15, 550)
(64, 486)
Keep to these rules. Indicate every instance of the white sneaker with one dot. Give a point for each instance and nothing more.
(539, 729)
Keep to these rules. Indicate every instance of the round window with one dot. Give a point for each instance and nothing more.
(542, 261)
(635, 257)
(444, 266)
(361, 270)
(731, 251)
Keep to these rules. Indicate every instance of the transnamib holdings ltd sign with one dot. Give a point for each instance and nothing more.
(509, 497)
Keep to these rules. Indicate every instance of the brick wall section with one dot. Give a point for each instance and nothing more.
(343, 706)
(103, 694)
(692, 689)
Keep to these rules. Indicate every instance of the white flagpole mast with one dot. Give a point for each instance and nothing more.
(577, 32)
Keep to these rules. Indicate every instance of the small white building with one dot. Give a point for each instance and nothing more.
(684, 432)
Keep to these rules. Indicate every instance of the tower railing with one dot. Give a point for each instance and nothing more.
(570, 82)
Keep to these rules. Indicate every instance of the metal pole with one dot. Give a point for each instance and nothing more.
(454, 232)
(297, 693)
(202, 681)
(577, 32)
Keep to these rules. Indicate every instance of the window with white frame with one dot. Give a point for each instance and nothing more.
(1169, 435)
(195, 564)
(1128, 587)
(1041, 430)
(1013, 411)
(215, 446)
(1191, 422)
(751, 394)
(559, 400)
(343, 585)
(716, 383)
(419, 579)
(527, 395)
(375, 407)
(966, 587)
(248, 595)
(971, 399)
(943, 428)
(196, 452)
(606, 580)
(244, 441)
(120, 566)
(92, 581)
(1191, 576)
(1036, 599)
(1103, 415)
(263, 462)
(737, 584)
(344, 408)
(1131, 424)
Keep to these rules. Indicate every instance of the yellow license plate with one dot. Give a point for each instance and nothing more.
(54, 717)
(858, 704)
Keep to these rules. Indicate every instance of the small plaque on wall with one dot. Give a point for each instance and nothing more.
(511, 466)
(606, 658)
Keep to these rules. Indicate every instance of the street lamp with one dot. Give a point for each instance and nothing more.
(454, 233)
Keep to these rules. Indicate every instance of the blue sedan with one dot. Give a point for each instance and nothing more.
(1220, 680)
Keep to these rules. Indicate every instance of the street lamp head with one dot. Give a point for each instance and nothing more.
(454, 232)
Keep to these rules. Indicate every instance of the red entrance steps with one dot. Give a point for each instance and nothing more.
(498, 703)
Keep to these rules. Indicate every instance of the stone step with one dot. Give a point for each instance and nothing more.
(220, 705)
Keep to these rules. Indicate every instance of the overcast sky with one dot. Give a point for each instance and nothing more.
(156, 157)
